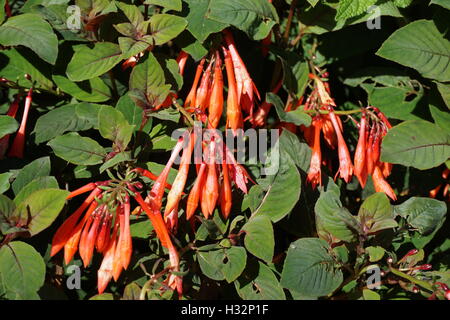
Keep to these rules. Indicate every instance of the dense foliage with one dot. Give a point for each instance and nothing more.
(99, 199)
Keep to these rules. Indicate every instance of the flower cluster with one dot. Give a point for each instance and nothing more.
(206, 94)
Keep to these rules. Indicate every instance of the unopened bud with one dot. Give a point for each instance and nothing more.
(390, 260)
(424, 267)
(411, 252)
(447, 294)
(415, 289)
(27, 76)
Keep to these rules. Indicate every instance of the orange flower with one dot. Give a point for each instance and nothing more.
(314, 172)
(246, 89)
(210, 192)
(18, 145)
(189, 103)
(216, 97)
(360, 153)
(381, 185)
(234, 115)
(345, 162)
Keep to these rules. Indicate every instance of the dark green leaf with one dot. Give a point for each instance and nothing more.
(32, 31)
(88, 63)
(309, 269)
(259, 238)
(38, 168)
(421, 46)
(416, 143)
(78, 150)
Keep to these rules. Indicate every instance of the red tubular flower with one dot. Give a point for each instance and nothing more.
(163, 235)
(105, 272)
(234, 115)
(225, 191)
(360, 153)
(329, 134)
(157, 192)
(203, 91)
(345, 162)
(194, 194)
(381, 185)
(181, 60)
(7, 9)
(63, 233)
(210, 192)
(174, 196)
(189, 103)
(71, 245)
(18, 145)
(216, 97)
(314, 172)
(246, 89)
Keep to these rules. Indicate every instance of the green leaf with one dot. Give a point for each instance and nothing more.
(103, 296)
(309, 269)
(416, 143)
(168, 4)
(58, 121)
(421, 46)
(351, 8)
(132, 292)
(444, 90)
(88, 63)
(140, 227)
(42, 207)
(297, 117)
(424, 214)
(132, 113)
(35, 169)
(2, 11)
(118, 158)
(4, 181)
(295, 74)
(132, 12)
(258, 282)
(92, 90)
(298, 151)
(376, 213)
(332, 218)
(165, 27)
(370, 295)
(375, 253)
(8, 125)
(223, 264)
(32, 31)
(131, 47)
(7, 220)
(24, 61)
(78, 150)
(403, 3)
(281, 190)
(113, 126)
(313, 2)
(36, 184)
(255, 17)
(259, 238)
(442, 3)
(148, 86)
(22, 270)
(441, 118)
(198, 23)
